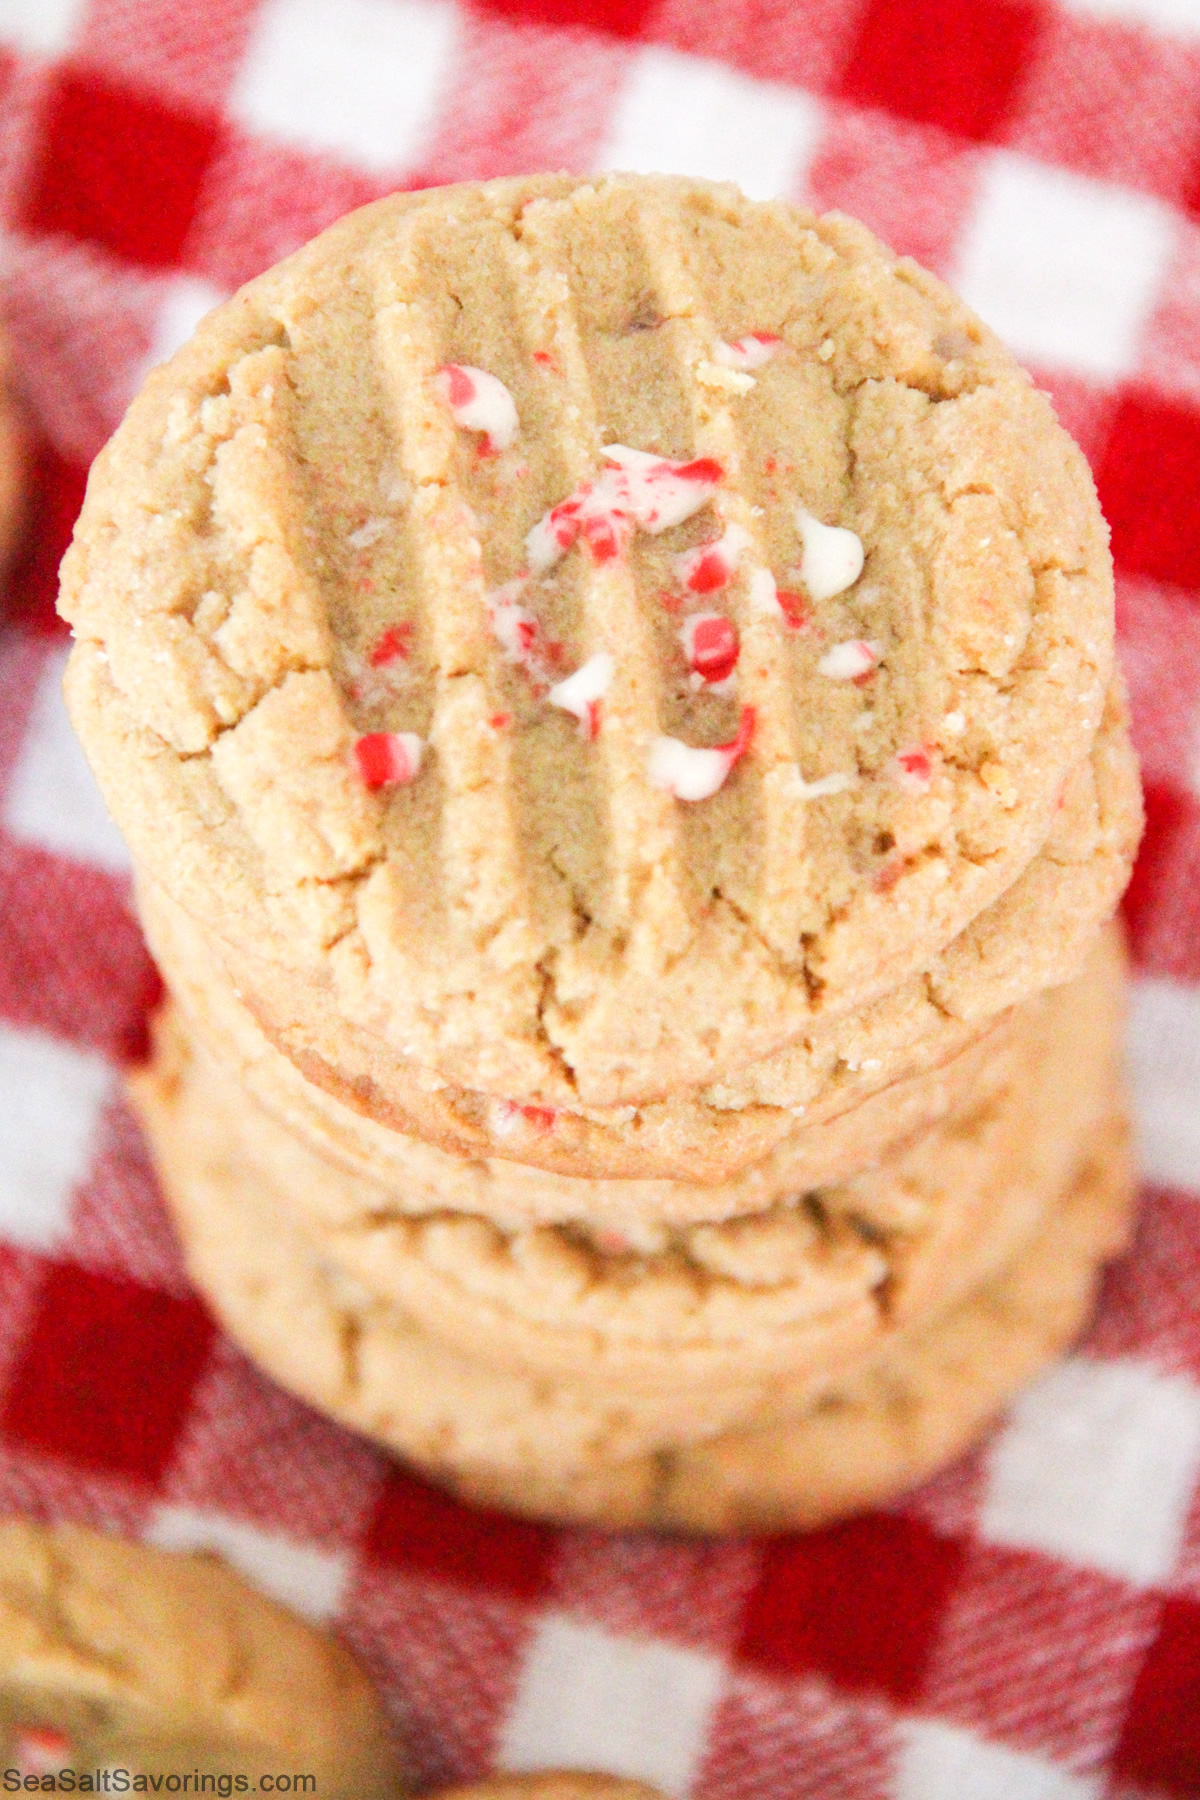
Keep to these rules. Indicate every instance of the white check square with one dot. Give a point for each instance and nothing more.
(1177, 16)
(682, 115)
(1097, 1465)
(52, 798)
(40, 27)
(1164, 1064)
(589, 1699)
(51, 1099)
(1066, 269)
(360, 78)
(184, 301)
(944, 1762)
(308, 1580)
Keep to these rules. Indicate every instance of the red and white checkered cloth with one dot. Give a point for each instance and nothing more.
(1028, 1626)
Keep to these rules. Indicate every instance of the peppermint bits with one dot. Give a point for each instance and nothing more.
(691, 772)
(479, 402)
(582, 692)
(853, 660)
(832, 560)
(710, 644)
(749, 352)
(388, 758)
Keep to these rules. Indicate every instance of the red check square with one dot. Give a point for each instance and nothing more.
(1160, 904)
(953, 63)
(1160, 1744)
(623, 18)
(860, 1603)
(419, 1529)
(119, 169)
(106, 1374)
(1151, 465)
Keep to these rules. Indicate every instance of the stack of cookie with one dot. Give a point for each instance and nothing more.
(610, 689)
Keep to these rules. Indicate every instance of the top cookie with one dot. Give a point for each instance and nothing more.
(598, 625)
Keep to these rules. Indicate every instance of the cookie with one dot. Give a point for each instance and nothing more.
(598, 627)
(797, 1287)
(438, 1374)
(113, 1654)
(428, 1177)
(550, 1448)
(812, 1112)
(872, 1436)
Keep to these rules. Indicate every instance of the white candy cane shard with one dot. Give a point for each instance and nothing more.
(763, 594)
(368, 533)
(693, 773)
(517, 631)
(479, 402)
(817, 790)
(749, 352)
(833, 557)
(850, 661)
(582, 692)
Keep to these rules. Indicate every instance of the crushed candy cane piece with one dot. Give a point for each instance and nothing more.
(749, 352)
(833, 557)
(582, 692)
(41, 1750)
(850, 661)
(393, 645)
(388, 758)
(826, 784)
(693, 773)
(712, 565)
(913, 770)
(795, 608)
(710, 643)
(520, 635)
(762, 593)
(479, 402)
(500, 721)
(634, 488)
(367, 534)
(505, 1116)
(781, 603)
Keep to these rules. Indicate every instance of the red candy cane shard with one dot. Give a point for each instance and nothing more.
(393, 645)
(388, 758)
(479, 402)
(711, 566)
(913, 770)
(505, 1116)
(710, 643)
(40, 1750)
(795, 609)
(694, 773)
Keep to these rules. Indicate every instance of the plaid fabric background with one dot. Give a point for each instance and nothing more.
(1028, 1626)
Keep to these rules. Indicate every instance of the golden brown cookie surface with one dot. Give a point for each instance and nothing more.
(462, 731)
(117, 1654)
(817, 1110)
(549, 1357)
